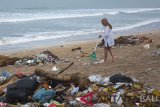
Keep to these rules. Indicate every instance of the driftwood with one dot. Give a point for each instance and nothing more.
(4, 57)
(12, 61)
(58, 77)
(76, 78)
(61, 71)
(3, 63)
(5, 60)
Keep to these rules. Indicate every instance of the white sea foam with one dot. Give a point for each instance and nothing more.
(8, 17)
(136, 25)
(43, 36)
(139, 10)
(23, 17)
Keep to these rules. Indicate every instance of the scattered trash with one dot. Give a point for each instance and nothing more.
(21, 90)
(55, 104)
(102, 61)
(6, 74)
(127, 40)
(74, 90)
(132, 40)
(87, 97)
(95, 78)
(120, 78)
(55, 68)
(3, 104)
(156, 92)
(156, 52)
(145, 40)
(116, 99)
(101, 105)
(4, 77)
(77, 90)
(78, 48)
(44, 95)
(93, 56)
(147, 46)
(86, 64)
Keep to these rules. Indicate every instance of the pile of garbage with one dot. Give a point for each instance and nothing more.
(45, 57)
(45, 89)
(132, 40)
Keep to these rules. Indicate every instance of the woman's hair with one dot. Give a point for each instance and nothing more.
(108, 24)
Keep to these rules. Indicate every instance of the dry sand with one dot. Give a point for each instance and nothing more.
(133, 61)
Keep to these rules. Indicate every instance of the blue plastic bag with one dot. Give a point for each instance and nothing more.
(43, 95)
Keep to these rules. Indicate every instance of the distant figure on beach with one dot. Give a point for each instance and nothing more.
(108, 38)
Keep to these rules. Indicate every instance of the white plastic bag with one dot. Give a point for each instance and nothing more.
(101, 105)
(95, 78)
(117, 99)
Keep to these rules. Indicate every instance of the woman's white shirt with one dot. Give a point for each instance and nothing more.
(107, 35)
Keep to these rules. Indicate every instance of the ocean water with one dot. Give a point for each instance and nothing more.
(26, 28)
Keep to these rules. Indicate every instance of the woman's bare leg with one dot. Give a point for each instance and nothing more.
(110, 51)
(105, 54)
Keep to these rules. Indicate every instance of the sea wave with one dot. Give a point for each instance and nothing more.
(12, 17)
(23, 17)
(39, 36)
(43, 36)
(138, 10)
(143, 23)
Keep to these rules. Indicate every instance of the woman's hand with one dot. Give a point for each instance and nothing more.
(100, 36)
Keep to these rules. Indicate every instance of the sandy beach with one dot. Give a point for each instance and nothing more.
(132, 60)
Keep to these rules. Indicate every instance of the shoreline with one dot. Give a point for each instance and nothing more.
(69, 44)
